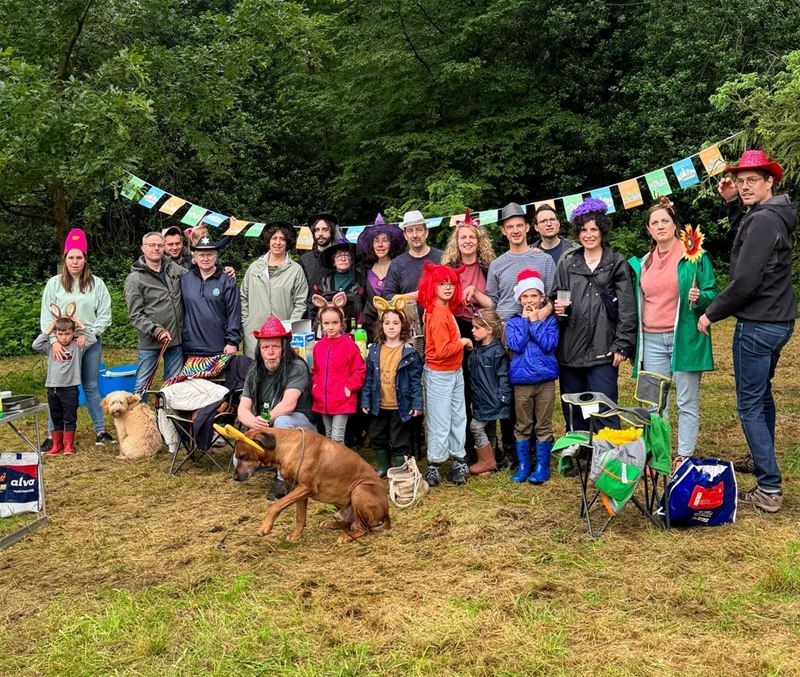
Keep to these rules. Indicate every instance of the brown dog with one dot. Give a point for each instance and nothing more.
(321, 469)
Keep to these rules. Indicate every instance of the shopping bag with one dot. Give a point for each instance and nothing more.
(702, 492)
(20, 489)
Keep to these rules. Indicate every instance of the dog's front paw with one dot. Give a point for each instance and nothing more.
(293, 537)
(263, 531)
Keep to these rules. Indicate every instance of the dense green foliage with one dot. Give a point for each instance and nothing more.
(269, 109)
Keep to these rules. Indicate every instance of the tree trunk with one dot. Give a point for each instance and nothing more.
(60, 214)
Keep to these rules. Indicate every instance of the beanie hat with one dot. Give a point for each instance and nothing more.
(76, 239)
(528, 279)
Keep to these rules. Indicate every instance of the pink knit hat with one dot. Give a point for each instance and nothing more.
(76, 239)
(528, 279)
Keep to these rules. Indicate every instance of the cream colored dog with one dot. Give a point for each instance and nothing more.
(136, 425)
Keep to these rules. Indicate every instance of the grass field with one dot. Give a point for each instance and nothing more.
(142, 573)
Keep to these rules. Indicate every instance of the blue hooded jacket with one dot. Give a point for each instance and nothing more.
(408, 382)
(533, 345)
(488, 379)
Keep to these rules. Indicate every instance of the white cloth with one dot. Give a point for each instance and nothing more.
(189, 395)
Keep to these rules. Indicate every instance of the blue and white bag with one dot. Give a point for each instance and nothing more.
(702, 492)
(20, 488)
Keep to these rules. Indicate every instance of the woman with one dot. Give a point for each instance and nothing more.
(469, 250)
(340, 259)
(273, 285)
(379, 244)
(598, 323)
(672, 294)
(76, 283)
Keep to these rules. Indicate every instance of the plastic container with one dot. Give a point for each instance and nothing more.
(115, 378)
(82, 395)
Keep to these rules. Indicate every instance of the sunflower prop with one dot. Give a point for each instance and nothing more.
(692, 243)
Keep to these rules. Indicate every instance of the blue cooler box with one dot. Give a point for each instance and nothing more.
(115, 378)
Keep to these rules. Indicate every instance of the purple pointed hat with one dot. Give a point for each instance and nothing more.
(369, 234)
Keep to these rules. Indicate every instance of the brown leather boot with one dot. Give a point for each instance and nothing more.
(486, 463)
(69, 440)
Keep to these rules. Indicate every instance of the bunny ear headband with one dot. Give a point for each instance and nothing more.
(68, 313)
(397, 304)
(338, 301)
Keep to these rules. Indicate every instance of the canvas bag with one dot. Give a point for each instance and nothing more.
(406, 485)
(702, 492)
(20, 488)
(616, 471)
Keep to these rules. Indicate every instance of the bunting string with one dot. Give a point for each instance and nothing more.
(657, 183)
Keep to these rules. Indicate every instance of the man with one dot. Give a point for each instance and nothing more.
(548, 227)
(761, 297)
(173, 245)
(503, 271)
(212, 307)
(325, 230)
(153, 297)
(406, 270)
(280, 380)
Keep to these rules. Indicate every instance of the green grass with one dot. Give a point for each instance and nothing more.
(145, 574)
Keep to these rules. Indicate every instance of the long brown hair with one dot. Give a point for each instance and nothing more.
(85, 281)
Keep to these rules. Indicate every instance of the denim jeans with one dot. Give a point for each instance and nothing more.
(335, 426)
(756, 349)
(90, 375)
(446, 414)
(657, 354)
(148, 363)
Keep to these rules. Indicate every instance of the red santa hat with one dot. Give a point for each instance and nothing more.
(528, 279)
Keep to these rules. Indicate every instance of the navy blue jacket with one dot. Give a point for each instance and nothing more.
(408, 382)
(488, 378)
(533, 346)
(212, 313)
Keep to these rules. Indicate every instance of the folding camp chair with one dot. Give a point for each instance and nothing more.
(189, 449)
(652, 394)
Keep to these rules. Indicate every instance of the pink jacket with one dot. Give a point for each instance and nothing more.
(337, 365)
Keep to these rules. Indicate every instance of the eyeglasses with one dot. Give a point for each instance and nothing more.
(447, 284)
(550, 220)
(750, 181)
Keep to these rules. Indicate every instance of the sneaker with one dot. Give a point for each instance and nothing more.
(459, 472)
(47, 445)
(103, 438)
(758, 498)
(745, 465)
(432, 475)
(277, 490)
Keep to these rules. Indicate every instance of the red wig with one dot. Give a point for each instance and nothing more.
(432, 276)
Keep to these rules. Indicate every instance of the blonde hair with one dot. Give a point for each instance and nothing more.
(485, 252)
(197, 233)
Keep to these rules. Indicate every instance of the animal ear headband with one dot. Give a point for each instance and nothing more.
(397, 304)
(68, 313)
(235, 435)
(338, 301)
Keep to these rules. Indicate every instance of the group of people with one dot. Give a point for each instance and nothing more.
(493, 333)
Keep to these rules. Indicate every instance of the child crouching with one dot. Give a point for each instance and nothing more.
(64, 376)
(532, 337)
(392, 393)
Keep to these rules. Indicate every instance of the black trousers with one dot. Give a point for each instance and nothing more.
(63, 403)
(601, 378)
(387, 431)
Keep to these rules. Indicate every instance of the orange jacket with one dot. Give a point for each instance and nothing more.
(443, 349)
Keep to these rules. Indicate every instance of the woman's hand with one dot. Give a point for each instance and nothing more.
(727, 189)
(58, 351)
(81, 341)
(347, 392)
(694, 295)
(468, 295)
(561, 307)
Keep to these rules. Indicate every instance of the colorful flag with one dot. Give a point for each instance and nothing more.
(685, 172)
(536, 205)
(305, 238)
(570, 202)
(604, 194)
(631, 195)
(455, 218)
(353, 232)
(172, 205)
(214, 219)
(255, 230)
(151, 197)
(657, 183)
(712, 160)
(132, 187)
(236, 226)
(435, 222)
(194, 215)
(488, 217)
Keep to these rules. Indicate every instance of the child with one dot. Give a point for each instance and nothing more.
(532, 337)
(392, 392)
(64, 377)
(440, 294)
(491, 390)
(338, 370)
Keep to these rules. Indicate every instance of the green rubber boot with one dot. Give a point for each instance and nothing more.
(398, 460)
(382, 457)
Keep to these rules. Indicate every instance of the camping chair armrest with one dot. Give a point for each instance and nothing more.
(632, 416)
(182, 419)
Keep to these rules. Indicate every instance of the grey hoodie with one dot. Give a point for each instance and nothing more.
(155, 303)
(760, 289)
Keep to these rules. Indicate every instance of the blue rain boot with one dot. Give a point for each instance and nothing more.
(541, 473)
(524, 457)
